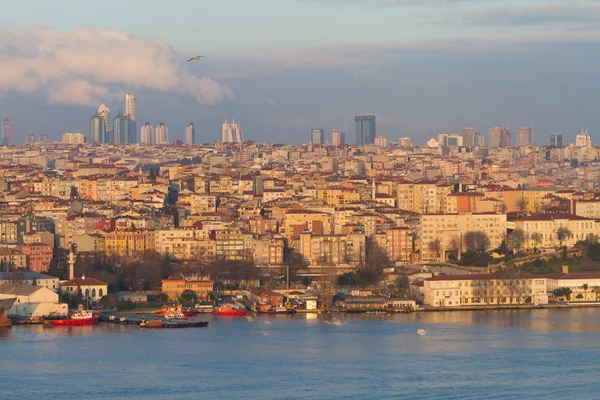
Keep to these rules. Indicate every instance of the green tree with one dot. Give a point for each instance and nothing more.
(585, 288)
(188, 296)
(435, 246)
(562, 292)
(596, 291)
(593, 252)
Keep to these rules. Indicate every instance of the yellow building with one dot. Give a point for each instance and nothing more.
(297, 221)
(338, 196)
(544, 230)
(175, 287)
(129, 243)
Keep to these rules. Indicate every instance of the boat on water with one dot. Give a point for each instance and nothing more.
(176, 311)
(77, 318)
(5, 305)
(229, 309)
(177, 315)
(156, 323)
(189, 312)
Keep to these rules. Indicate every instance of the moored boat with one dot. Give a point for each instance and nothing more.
(229, 309)
(157, 323)
(5, 305)
(77, 318)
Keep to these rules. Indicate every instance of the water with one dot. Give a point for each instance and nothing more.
(453, 355)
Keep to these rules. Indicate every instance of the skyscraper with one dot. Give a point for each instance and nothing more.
(232, 133)
(7, 136)
(317, 136)
(364, 129)
(147, 134)
(468, 135)
(124, 130)
(190, 134)
(104, 112)
(338, 137)
(556, 140)
(500, 137)
(162, 134)
(524, 136)
(583, 139)
(130, 106)
(97, 132)
(479, 139)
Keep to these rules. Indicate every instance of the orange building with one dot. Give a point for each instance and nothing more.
(38, 255)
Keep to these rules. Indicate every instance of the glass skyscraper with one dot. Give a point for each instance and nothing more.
(124, 130)
(364, 129)
(317, 136)
(97, 129)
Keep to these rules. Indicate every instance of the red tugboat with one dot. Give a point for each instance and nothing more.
(229, 309)
(77, 318)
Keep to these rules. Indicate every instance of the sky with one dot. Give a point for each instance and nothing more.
(283, 67)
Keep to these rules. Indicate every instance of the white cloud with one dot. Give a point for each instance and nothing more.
(87, 66)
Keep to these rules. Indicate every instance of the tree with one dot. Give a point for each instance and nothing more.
(515, 240)
(537, 238)
(188, 296)
(562, 292)
(74, 193)
(477, 241)
(585, 288)
(593, 252)
(596, 291)
(579, 296)
(454, 247)
(482, 289)
(376, 260)
(163, 297)
(402, 285)
(435, 246)
(562, 234)
(514, 283)
(522, 205)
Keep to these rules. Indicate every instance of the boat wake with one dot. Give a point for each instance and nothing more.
(421, 332)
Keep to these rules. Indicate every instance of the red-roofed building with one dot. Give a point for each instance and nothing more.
(91, 288)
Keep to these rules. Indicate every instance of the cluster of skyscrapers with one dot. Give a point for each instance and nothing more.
(232, 133)
(123, 129)
(364, 132)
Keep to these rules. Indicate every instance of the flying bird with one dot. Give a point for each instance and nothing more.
(197, 58)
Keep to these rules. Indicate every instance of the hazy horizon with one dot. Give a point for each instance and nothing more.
(287, 66)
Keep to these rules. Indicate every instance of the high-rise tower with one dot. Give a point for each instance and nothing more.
(190, 134)
(232, 133)
(147, 134)
(7, 134)
(364, 129)
(124, 130)
(130, 106)
(162, 134)
(97, 132)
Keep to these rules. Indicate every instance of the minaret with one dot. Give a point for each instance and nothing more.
(71, 265)
(373, 190)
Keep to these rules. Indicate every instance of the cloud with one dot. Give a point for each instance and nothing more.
(573, 14)
(88, 66)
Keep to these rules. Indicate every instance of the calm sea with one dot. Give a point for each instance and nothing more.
(484, 355)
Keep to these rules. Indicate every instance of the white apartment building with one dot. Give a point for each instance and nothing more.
(482, 289)
(446, 227)
(542, 230)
